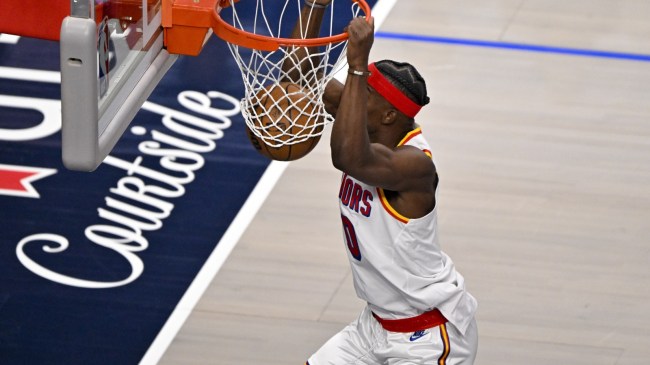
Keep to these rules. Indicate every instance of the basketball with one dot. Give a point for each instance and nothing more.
(282, 113)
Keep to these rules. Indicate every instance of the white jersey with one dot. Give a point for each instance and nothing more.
(397, 264)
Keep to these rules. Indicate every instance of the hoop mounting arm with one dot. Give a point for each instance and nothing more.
(186, 24)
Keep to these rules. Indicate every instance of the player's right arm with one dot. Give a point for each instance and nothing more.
(401, 169)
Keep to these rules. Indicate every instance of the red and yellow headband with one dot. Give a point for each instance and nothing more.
(391, 93)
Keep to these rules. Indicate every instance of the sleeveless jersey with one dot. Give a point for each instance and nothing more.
(397, 264)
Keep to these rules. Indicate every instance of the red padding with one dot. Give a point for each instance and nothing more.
(33, 18)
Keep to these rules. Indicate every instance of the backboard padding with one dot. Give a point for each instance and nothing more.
(111, 60)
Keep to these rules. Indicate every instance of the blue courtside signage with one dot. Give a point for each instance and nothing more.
(92, 264)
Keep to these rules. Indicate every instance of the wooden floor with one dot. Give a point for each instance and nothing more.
(544, 198)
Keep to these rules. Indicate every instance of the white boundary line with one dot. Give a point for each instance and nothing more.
(230, 238)
(215, 261)
(28, 74)
(380, 11)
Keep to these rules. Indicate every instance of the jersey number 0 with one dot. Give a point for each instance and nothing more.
(351, 238)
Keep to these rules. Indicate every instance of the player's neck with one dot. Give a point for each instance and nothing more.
(389, 137)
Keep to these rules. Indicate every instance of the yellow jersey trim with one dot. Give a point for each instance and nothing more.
(389, 208)
(410, 135)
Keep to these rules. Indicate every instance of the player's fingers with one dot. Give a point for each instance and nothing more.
(357, 26)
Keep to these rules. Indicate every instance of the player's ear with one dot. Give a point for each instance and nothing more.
(390, 116)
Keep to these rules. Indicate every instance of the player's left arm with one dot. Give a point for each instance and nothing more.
(307, 26)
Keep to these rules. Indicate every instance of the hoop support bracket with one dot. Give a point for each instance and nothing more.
(186, 24)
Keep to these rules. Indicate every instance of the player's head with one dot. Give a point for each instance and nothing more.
(400, 84)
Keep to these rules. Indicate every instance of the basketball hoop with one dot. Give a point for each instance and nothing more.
(248, 39)
(266, 57)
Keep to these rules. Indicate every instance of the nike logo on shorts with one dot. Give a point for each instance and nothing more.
(418, 334)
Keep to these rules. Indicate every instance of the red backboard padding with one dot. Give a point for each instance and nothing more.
(33, 18)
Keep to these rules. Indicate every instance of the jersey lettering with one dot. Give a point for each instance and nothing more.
(355, 197)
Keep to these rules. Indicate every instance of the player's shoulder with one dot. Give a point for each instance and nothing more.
(417, 160)
(416, 152)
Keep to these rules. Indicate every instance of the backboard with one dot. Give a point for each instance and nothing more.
(112, 57)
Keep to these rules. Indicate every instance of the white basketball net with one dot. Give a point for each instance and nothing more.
(260, 69)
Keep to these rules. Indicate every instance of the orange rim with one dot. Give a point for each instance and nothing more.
(266, 43)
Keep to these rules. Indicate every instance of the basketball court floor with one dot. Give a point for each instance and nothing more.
(540, 127)
(544, 161)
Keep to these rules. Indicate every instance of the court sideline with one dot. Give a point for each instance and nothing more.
(543, 198)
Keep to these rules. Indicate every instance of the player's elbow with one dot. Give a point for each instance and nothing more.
(332, 96)
(345, 166)
(340, 159)
(338, 163)
(345, 159)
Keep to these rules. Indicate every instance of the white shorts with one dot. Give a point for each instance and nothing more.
(365, 341)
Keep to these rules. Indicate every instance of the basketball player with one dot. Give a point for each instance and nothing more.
(418, 310)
